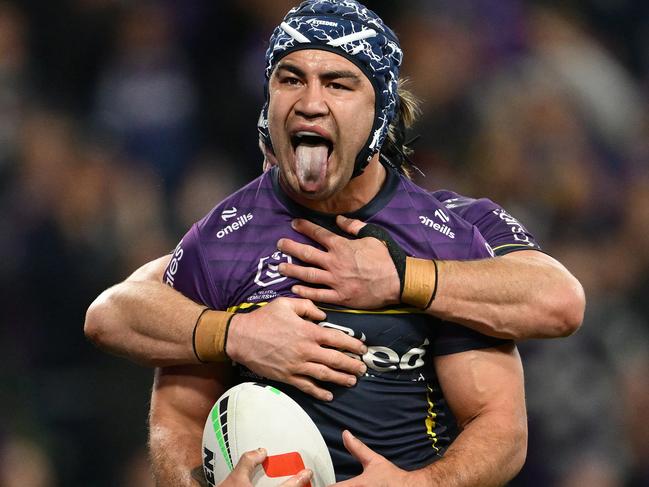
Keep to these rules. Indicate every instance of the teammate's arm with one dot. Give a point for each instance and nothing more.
(148, 322)
(523, 294)
(484, 389)
(144, 320)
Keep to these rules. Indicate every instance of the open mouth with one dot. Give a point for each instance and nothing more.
(312, 151)
(311, 139)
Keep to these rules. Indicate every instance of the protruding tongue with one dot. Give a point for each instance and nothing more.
(311, 165)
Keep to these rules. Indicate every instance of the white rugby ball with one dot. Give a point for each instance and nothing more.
(252, 415)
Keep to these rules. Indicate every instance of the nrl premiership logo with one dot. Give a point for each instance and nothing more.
(268, 269)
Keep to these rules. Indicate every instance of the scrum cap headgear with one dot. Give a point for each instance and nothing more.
(351, 30)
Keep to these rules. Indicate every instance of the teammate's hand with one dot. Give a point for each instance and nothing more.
(242, 474)
(279, 342)
(358, 273)
(377, 470)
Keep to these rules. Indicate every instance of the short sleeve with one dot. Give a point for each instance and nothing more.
(185, 272)
(503, 232)
(452, 338)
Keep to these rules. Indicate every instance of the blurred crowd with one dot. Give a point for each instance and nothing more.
(123, 122)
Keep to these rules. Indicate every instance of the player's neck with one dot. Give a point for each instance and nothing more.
(358, 192)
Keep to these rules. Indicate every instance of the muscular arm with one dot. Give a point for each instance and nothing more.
(180, 402)
(144, 320)
(523, 294)
(150, 323)
(484, 389)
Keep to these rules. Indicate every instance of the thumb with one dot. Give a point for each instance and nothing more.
(306, 309)
(301, 479)
(349, 225)
(249, 460)
(359, 450)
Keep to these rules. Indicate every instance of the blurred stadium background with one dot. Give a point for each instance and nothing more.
(122, 122)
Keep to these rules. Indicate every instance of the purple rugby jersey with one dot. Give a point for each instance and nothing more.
(504, 233)
(229, 260)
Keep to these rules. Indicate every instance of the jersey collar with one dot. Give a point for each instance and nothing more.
(328, 220)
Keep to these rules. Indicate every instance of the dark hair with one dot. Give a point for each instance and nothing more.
(395, 149)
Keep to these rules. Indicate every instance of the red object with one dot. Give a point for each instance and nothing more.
(283, 465)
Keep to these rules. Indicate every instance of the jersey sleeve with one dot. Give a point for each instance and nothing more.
(452, 338)
(503, 232)
(186, 272)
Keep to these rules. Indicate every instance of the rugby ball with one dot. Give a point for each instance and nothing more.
(253, 415)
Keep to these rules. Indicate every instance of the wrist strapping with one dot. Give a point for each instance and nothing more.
(420, 286)
(417, 277)
(211, 334)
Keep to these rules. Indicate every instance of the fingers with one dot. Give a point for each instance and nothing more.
(358, 449)
(249, 460)
(340, 362)
(305, 274)
(349, 225)
(309, 387)
(318, 295)
(325, 374)
(304, 252)
(324, 336)
(341, 341)
(315, 232)
(327, 365)
(300, 479)
(305, 309)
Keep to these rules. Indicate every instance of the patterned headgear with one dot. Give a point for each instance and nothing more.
(347, 28)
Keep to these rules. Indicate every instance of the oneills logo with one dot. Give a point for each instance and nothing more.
(172, 268)
(442, 216)
(227, 214)
(443, 229)
(234, 226)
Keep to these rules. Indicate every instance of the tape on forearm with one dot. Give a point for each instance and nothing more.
(417, 277)
(420, 286)
(211, 335)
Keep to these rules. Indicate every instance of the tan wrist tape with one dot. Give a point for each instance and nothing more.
(420, 282)
(210, 335)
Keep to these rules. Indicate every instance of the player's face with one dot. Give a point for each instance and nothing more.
(320, 115)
